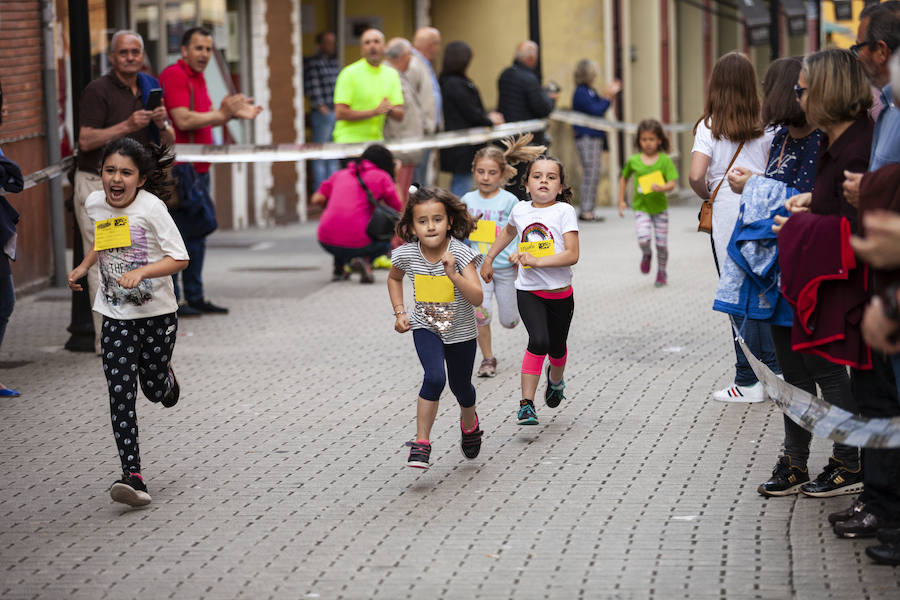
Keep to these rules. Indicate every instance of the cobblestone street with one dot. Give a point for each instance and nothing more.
(281, 472)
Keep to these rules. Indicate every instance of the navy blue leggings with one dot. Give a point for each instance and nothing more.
(460, 359)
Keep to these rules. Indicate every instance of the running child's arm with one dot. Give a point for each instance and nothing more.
(622, 183)
(161, 268)
(395, 291)
(566, 258)
(502, 240)
(466, 282)
(81, 270)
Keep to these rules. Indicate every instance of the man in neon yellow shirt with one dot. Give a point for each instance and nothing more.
(365, 93)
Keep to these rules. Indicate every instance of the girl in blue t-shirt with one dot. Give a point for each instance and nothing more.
(652, 168)
(490, 205)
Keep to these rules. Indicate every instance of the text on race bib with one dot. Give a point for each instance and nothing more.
(112, 233)
(433, 288)
(485, 231)
(542, 248)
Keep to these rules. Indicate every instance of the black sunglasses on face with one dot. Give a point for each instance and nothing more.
(799, 91)
(855, 48)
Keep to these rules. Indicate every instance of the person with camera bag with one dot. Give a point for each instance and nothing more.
(357, 222)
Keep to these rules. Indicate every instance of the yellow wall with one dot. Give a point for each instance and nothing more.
(839, 40)
(642, 81)
(397, 17)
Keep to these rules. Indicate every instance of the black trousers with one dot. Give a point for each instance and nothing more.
(876, 393)
(547, 322)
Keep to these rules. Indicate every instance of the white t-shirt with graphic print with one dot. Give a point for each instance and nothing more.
(539, 225)
(153, 236)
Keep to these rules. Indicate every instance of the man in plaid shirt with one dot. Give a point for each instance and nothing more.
(320, 71)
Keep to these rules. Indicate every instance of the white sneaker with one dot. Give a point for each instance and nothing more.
(742, 393)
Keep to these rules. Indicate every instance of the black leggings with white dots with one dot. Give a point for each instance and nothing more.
(135, 350)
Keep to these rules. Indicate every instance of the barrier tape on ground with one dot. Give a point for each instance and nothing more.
(821, 418)
(252, 153)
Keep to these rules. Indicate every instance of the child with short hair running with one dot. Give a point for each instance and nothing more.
(442, 269)
(139, 248)
(654, 175)
(547, 230)
(490, 205)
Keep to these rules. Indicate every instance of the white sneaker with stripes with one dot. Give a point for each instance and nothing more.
(742, 393)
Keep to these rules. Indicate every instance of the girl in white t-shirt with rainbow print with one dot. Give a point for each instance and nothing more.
(546, 228)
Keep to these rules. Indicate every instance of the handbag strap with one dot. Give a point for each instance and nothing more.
(365, 188)
(733, 158)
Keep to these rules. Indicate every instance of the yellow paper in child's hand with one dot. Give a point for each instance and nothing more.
(433, 288)
(542, 248)
(112, 233)
(645, 182)
(485, 231)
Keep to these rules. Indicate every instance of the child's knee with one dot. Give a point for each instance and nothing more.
(432, 386)
(509, 324)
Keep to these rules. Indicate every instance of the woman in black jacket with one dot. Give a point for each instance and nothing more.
(462, 109)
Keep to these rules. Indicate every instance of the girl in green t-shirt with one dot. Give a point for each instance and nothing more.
(654, 175)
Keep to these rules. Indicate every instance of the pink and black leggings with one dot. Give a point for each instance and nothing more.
(547, 317)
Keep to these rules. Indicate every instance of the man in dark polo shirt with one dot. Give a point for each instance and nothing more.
(188, 102)
(112, 107)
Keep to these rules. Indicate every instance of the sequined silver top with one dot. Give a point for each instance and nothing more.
(453, 321)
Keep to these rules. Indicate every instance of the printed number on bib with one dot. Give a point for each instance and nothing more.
(542, 248)
(485, 231)
(433, 288)
(112, 233)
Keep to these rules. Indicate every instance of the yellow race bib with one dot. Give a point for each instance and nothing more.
(433, 288)
(645, 182)
(542, 248)
(112, 233)
(485, 231)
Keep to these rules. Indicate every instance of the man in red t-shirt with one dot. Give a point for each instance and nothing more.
(193, 116)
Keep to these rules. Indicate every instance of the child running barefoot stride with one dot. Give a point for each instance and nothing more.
(651, 168)
(491, 205)
(445, 288)
(139, 247)
(547, 230)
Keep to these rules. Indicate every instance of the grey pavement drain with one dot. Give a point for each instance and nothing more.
(274, 269)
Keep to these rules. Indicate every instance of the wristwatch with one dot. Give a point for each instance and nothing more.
(891, 307)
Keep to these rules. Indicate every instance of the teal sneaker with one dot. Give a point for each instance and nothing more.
(382, 262)
(526, 415)
(553, 395)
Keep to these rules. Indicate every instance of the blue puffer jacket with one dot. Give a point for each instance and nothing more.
(749, 282)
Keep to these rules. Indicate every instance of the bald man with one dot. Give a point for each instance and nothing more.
(365, 93)
(521, 97)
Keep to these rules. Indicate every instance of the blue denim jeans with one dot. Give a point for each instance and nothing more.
(421, 172)
(758, 337)
(192, 275)
(461, 183)
(322, 128)
(7, 301)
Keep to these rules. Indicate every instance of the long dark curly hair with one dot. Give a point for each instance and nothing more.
(152, 162)
(461, 222)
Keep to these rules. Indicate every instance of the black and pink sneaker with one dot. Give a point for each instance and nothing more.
(419, 454)
(470, 444)
(130, 490)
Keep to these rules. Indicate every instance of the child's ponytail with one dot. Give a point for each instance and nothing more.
(517, 151)
(152, 162)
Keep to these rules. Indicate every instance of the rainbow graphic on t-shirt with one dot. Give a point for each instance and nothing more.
(536, 232)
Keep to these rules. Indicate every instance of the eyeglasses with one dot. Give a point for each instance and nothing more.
(856, 47)
(799, 91)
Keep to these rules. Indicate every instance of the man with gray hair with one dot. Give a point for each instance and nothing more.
(112, 107)
(398, 54)
(426, 45)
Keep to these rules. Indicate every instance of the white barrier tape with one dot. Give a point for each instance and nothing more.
(48, 173)
(250, 153)
(821, 418)
(583, 120)
(294, 152)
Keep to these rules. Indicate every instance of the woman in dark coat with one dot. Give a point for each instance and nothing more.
(462, 109)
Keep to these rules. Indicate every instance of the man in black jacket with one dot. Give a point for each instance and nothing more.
(521, 98)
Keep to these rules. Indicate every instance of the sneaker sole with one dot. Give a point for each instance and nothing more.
(415, 464)
(126, 494)
(739, 400)
(855, 488)
(791, 491)
(528, 421)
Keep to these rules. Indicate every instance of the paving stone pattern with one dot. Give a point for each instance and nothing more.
(281, 474)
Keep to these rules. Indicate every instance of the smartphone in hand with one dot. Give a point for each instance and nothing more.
(154, 99)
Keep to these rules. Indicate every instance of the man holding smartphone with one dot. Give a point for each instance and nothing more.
(115, 106)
